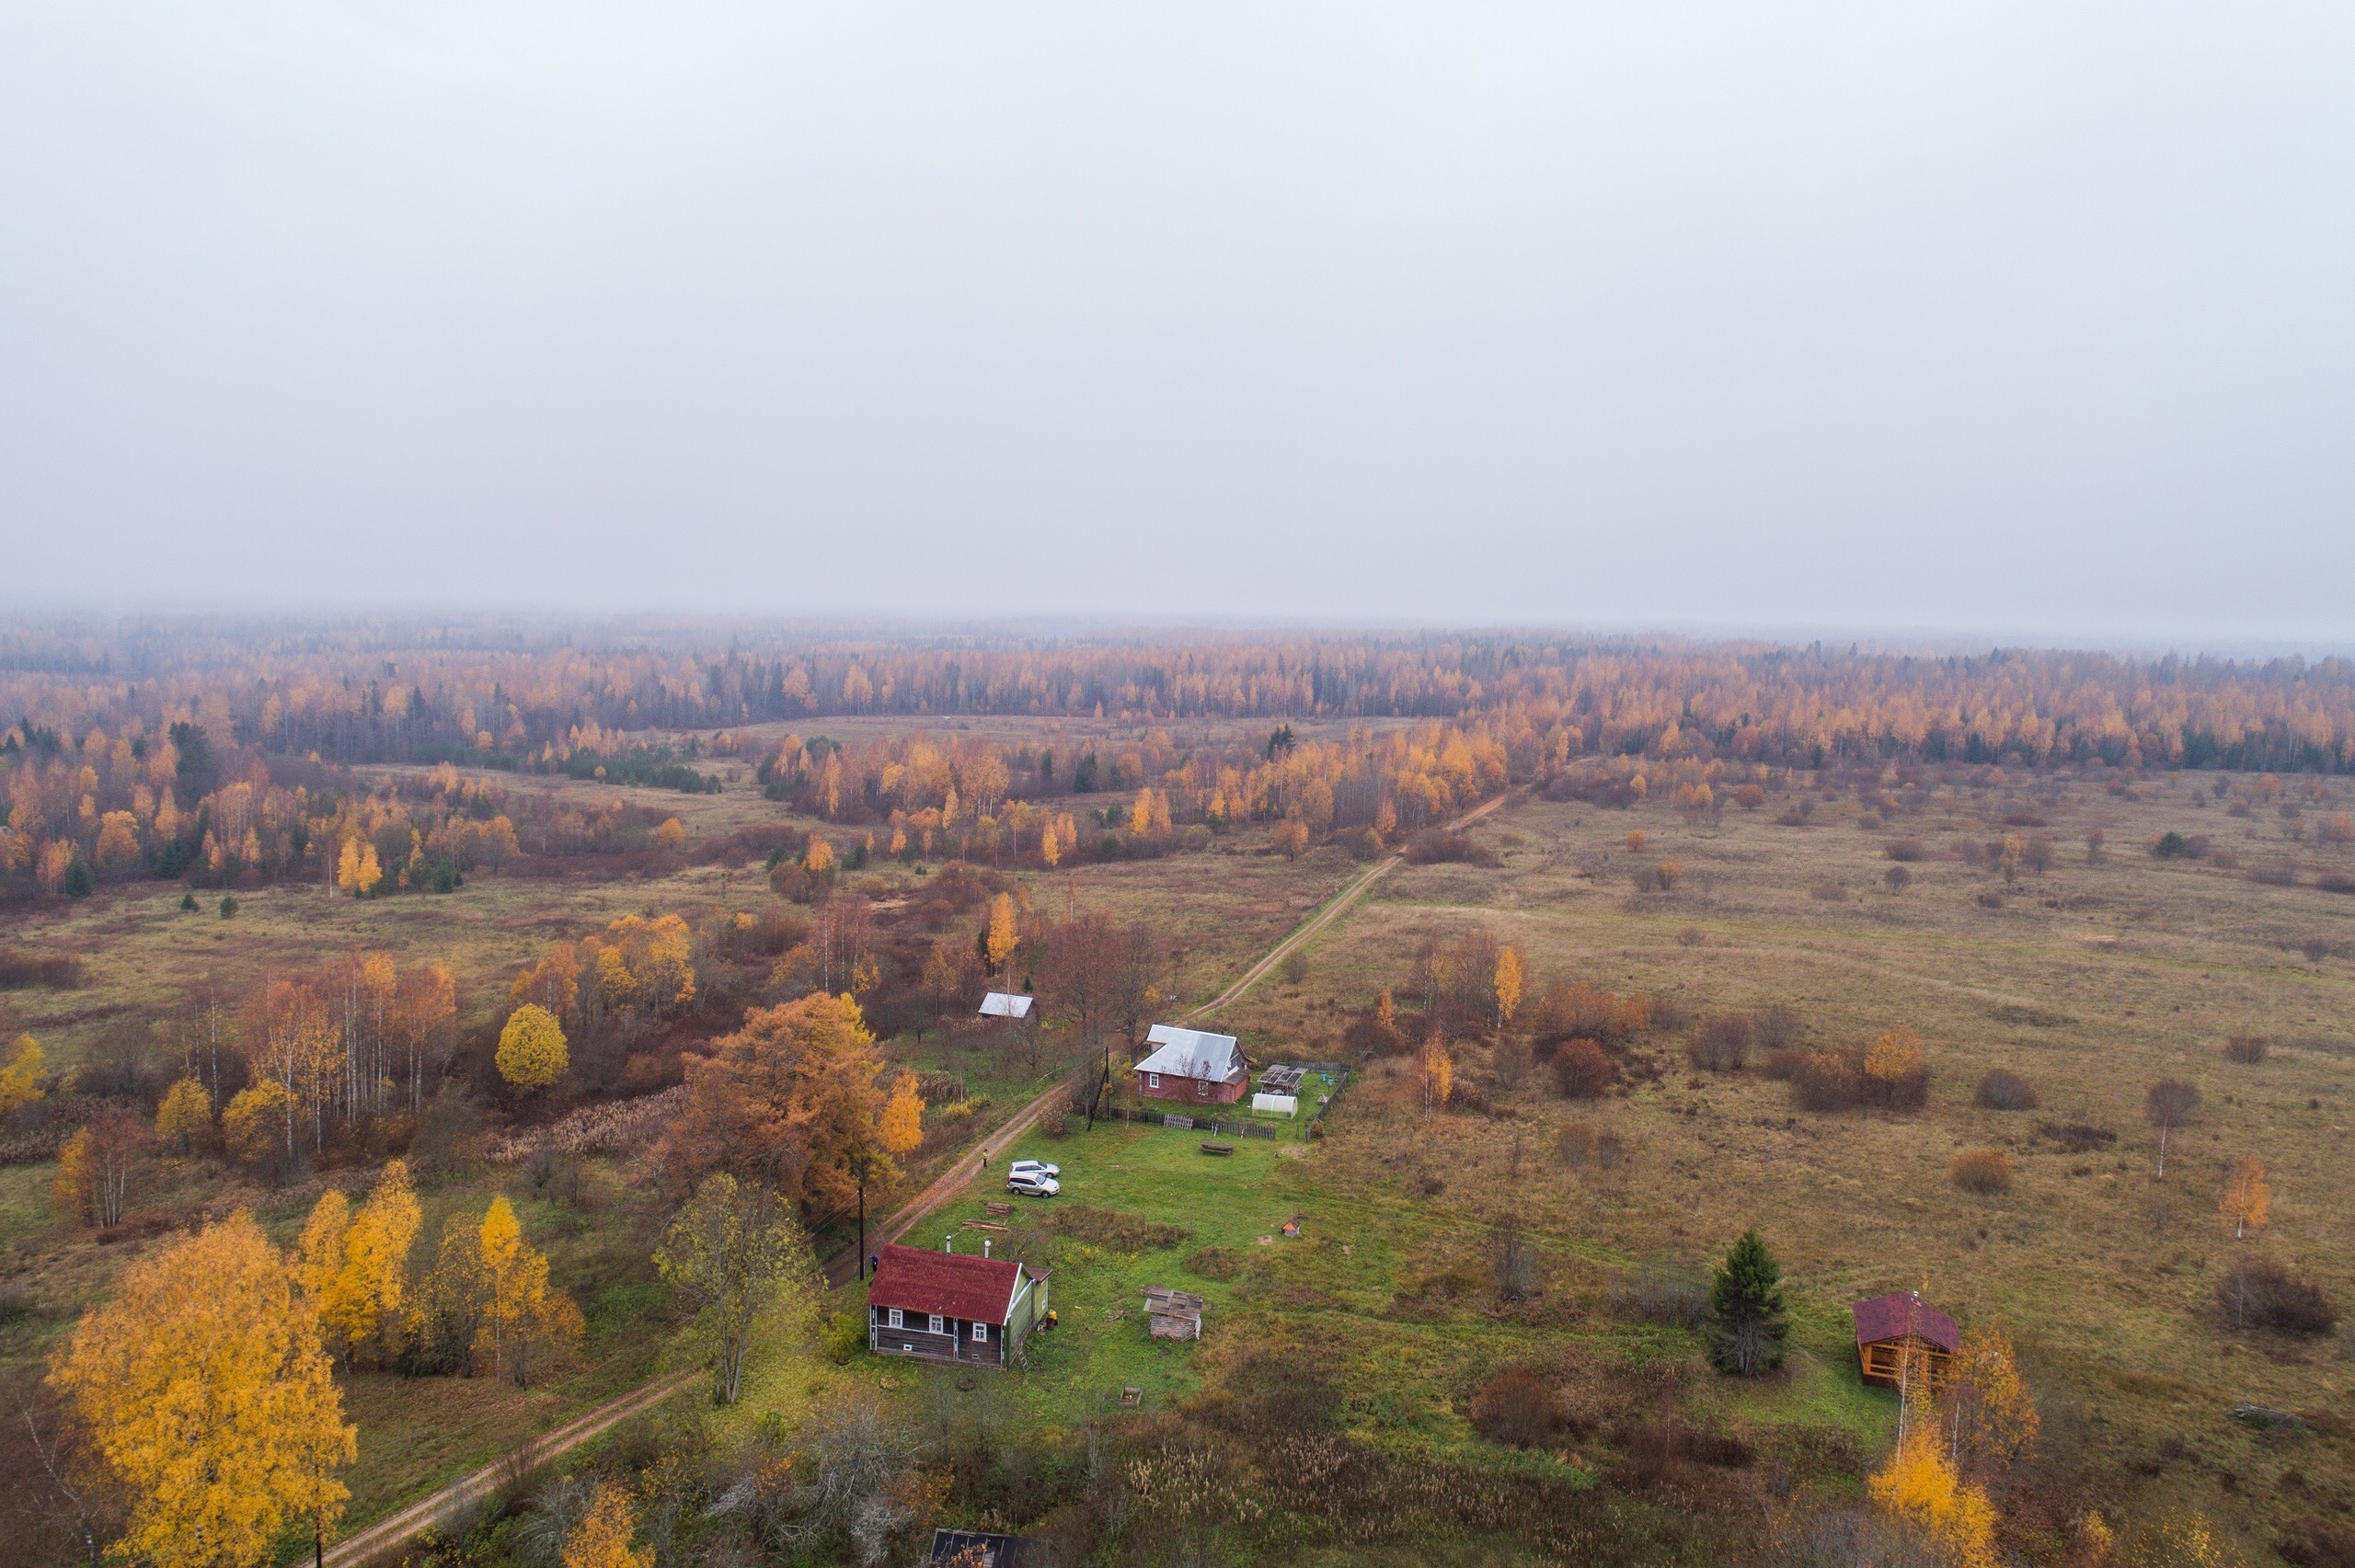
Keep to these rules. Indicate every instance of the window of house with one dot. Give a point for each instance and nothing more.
(895, 1319)
(936, 1322)
(981, 1334)
(1152, 1080)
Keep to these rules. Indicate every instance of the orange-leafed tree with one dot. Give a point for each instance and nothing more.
(782, 1100)
(553, 982)
(97, 1168)
(1439, 1075)
(213, 1407)
(425, 1010)
(900, 1126)
(1990, 1413)
(1509, 978)
(290, 1039)
(2248, 1197)
(1003, 934)
(1920, 1488)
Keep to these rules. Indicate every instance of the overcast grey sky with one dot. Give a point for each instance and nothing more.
(2029, 319)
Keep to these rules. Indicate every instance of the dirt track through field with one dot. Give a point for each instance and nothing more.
(1335, 908)
(394, 1529)
(423, 1515)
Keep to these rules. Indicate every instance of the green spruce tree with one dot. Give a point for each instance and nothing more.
(1748, 1299)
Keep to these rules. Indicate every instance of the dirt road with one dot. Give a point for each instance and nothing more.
(1334, 909)
(394, 1529)
(391, 1531)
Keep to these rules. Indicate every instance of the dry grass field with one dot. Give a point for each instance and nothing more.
(2090, 979)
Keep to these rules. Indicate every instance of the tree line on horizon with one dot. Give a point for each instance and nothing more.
(364, 694)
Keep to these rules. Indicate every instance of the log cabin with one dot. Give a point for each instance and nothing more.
(1889, 1327)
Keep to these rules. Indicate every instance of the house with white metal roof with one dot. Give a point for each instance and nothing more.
(1192, 1065)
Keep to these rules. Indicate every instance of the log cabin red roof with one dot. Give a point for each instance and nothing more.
(955, 1284)
(1902, 1312)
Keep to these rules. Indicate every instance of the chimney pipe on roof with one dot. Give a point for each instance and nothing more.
(949, 1243)
(985, 1247)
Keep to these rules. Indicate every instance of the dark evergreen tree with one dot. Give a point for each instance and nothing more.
(1748, 1299)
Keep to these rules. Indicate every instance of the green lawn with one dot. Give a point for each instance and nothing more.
(1374, 1290)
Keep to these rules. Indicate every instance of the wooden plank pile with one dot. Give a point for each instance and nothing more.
(1173, 1314)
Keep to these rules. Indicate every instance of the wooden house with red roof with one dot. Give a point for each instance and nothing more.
(1891, 1327)
(952, 1306)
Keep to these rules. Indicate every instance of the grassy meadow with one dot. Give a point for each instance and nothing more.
(2090, 979)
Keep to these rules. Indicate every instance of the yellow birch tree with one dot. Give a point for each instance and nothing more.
(2248, 1200)
(213, 1407)
(1003, 933)
(900, 1126)
(20, 1080)
(601, 1538)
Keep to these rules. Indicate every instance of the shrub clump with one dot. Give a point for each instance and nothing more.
(1723, 1044)
(2248, 1050)
(1521, 1408)
(1889, 1072)
(2004, 1089)
(1109, 1227)
(1581, 1070)
(1821, 1081)
(1778, 1028)
(1215, 1263)
(20, 971)
(1894, 1073)
(1982, 1171)
(1658, 878)
(2263, 1294)
(1583, 1145)
(1437, 846)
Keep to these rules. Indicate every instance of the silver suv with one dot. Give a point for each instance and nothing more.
(1032, 1184)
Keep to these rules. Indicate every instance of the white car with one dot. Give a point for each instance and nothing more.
(1033, 1183)
(1033, 1168)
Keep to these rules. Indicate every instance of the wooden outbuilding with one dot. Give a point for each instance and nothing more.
(952, 1306)
(1173, 1314)
(1891, 1327)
